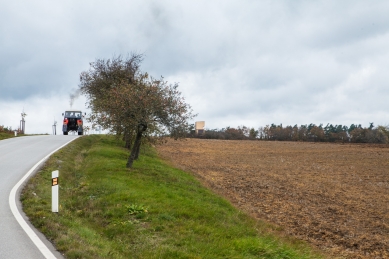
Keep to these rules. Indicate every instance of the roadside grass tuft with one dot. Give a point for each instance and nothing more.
(150, 211)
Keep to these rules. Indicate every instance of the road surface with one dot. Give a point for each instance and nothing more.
(17, 157)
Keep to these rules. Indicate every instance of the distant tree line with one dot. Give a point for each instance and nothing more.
(5, 129)
(354, 133)
(239, 133)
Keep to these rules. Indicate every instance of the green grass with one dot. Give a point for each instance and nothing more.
(4, 135)
(150, 211)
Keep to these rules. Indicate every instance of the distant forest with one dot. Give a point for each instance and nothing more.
(313, 133)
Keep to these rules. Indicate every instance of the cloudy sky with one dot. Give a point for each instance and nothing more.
(246, 62)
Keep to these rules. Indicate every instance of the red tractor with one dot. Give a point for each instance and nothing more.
(72, 121)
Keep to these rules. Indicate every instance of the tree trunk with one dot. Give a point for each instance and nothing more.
(128, 138)
(128, 141)
(136, 147)
(127, 144)
(137, 152)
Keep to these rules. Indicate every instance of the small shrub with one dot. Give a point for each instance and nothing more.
(136, 209)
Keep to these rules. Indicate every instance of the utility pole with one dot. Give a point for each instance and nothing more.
(55, 127)
(23, 122)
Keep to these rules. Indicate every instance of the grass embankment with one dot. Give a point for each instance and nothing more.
(4, 135)
(150, 211)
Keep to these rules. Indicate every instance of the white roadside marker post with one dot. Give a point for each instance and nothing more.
(54, 191)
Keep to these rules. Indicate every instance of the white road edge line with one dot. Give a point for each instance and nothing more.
(12, 203)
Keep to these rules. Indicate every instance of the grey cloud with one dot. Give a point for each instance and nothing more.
(258, 61)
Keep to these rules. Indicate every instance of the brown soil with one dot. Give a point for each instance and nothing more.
(334, 196)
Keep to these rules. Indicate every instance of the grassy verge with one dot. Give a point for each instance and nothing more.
(6, 135)
(151, 211)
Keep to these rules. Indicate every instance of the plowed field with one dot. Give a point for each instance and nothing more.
(334, 196)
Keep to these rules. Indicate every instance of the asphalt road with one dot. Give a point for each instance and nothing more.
(17, 157)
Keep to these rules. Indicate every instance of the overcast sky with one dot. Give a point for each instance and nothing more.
(246, 62)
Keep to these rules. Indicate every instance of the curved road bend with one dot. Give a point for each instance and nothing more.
(17, 157)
